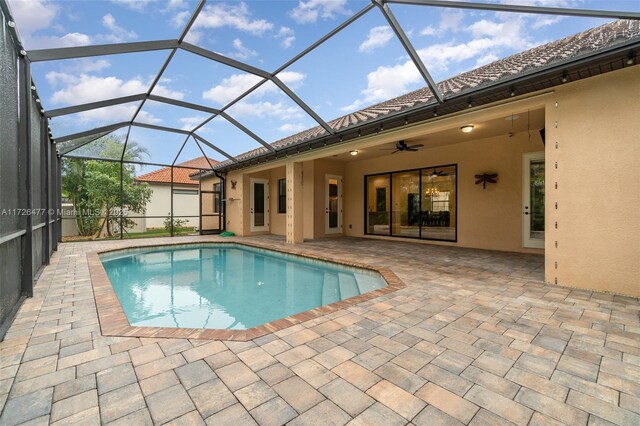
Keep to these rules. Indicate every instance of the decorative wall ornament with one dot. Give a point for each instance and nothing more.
(486, 178)
(233, 184)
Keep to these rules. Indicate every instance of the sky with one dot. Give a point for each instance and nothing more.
(360, 66)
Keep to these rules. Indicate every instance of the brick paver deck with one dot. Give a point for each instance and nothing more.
(474, 338)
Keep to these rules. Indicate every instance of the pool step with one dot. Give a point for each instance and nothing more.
(367, 283)
(330, 289)
(348, 286)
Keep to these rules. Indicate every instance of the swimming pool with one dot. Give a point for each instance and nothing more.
(226, 286)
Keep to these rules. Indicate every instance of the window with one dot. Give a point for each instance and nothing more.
(186, 191)
(282, 195)
(418, 203)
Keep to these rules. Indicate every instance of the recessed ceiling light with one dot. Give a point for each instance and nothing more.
(467, 129)
(353, 152)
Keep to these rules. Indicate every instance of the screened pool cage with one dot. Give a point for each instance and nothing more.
(34, 163)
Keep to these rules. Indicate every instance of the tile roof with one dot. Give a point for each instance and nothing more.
(562, 50)
(180, 175)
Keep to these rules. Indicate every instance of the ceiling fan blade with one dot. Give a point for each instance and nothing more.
(388, 149)
(416, 146)
(396, 151)
(410, 149)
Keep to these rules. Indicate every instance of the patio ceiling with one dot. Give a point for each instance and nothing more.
(520, 121)
(68, 145)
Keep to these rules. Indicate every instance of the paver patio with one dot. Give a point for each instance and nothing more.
(474, 338)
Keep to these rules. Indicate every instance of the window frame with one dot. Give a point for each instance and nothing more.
(282, 196)
(390, 176)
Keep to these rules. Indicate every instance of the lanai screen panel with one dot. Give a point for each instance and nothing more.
(110, 146)
(272, 114)
(10, 251)
(367, 65)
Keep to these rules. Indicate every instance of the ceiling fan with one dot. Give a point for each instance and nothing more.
(402, 146)
(437, 173)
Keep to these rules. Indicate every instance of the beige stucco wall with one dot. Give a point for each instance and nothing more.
(183, 205)
(488, 218)
(598, 177)
(313, 172)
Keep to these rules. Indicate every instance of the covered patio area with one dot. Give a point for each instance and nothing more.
(475, 337)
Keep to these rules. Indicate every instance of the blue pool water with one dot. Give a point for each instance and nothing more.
(226, 286)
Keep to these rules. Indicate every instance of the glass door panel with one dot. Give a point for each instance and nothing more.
(533, 199)
(405, 213)
(438, 218)
(378, 204)
(333, 204)
(259, 205)
(258, 202)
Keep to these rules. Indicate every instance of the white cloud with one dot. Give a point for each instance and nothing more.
(189, 123)
(242, 52)
(137, 5)
(292, 79)
(233, 86)
(83, 88)
(264, 109)
(291, 128)
(286, 36)
(230, 88)
(118, 34)
(255, 105)
(38, 15)
(33, 16)
(486, 59)
(428, 31)
(73, 89)
(75, 39)
(451, 20)
(385, 83)
(231, 15)
(162, 90)
(180, 18)
(378, 37)
(85, 65)
(116, 113)
(309, 11)
(175, 4)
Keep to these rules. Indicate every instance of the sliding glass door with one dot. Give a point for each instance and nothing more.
(420, 203)
(378, 204)
(439, 203)
(405, 204)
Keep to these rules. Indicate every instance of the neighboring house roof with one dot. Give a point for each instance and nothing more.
(557, 52)
(180, 174)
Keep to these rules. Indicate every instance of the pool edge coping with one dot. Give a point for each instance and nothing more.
(113, 320)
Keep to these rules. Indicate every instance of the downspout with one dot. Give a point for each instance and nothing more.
(223, 199)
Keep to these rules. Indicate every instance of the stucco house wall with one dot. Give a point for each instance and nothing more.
(488, 218)
(593, 154)
(183, 205)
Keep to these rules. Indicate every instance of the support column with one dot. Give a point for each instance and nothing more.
(295, 214)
